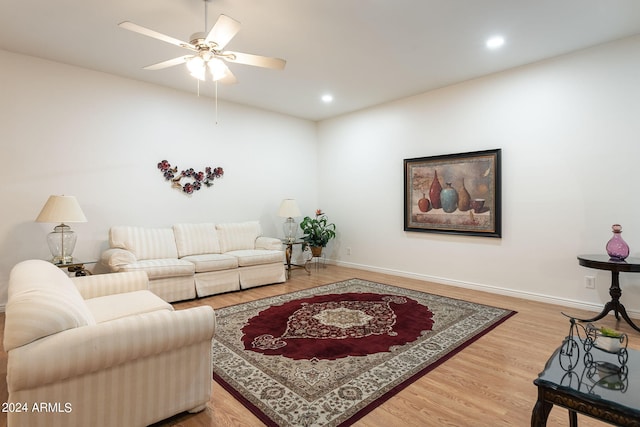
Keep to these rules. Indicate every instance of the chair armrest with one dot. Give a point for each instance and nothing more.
(80, 351)
(268, 243)
(115, 258)
(99, 285)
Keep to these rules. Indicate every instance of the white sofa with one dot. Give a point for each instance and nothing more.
(101, 350)
(189, 260)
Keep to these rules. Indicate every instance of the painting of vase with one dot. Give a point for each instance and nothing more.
(455, 193)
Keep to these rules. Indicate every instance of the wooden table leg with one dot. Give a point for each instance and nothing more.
(614, 305)
(540, 411)
(573, 418)
(287, 254)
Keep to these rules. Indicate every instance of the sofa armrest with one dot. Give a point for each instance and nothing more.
(80, 351)
(100, 285)
(114, 258)
(268, 243)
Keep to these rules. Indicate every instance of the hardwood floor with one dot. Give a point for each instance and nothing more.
(490, 383)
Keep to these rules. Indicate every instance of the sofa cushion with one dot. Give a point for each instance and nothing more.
(160, 268)
(42, 301)
(196, 239)
(116, 306)
(270, 243)
(144, 243)
(212, 262)
(238, 236)
(257, 256)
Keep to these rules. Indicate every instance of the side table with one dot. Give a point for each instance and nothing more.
(603, 262)
(584, 389)
(76, 267)
(288, 252)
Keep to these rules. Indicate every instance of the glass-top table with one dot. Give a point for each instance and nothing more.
(605, 386)
(289, 265)
(75, 266)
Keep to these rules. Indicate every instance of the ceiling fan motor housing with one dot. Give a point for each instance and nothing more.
(198, 40)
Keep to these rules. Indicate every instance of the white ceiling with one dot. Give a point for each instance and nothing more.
(364, 52)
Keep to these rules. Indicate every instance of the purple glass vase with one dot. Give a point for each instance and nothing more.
(616, 247)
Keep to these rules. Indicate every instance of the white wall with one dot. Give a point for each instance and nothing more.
(67, 130)
(569, 133)
(568, 129)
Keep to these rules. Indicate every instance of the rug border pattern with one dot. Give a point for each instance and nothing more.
(408, 366)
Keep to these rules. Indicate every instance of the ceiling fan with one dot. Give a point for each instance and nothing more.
(207, 50)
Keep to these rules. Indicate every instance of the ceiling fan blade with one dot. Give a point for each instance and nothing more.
(169, 63)
(223, 31)
(156, 35)
(255, 60)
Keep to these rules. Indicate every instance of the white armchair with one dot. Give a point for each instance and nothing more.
(101, 350)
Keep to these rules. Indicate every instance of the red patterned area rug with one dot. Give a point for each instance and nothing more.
(327, 356)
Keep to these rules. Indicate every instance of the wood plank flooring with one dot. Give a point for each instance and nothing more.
(490, 383)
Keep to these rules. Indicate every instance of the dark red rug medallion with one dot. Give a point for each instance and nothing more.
(336, 325)
(327, 356)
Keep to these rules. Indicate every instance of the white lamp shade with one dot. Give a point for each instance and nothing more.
(218, 69)
(196, 67)
(61, 209)
(289, 209)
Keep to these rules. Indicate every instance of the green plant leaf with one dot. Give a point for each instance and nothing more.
(317, 231)
(608, 332)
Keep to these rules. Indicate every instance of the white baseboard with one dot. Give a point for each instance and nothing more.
(564, 302)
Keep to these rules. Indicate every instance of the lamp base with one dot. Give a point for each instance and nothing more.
(290, 228)
(61, 241)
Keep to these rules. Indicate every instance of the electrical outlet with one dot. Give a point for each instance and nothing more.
(589, 282)
(348, 251)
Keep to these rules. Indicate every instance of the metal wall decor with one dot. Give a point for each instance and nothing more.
(194, 179)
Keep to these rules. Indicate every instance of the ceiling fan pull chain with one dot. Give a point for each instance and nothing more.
(216, 83)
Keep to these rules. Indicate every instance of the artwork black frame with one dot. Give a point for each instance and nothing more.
(472, 180)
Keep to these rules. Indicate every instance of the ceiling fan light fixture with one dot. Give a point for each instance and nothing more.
(198, 75)
(195, 64)
(217, 68)
(196, 67)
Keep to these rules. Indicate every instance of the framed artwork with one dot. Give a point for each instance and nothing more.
(454, 193)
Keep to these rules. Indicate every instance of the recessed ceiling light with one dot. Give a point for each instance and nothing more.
(327, 98)
(495, 42)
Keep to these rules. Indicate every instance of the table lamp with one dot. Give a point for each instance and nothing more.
(62, 240)
(289, 209)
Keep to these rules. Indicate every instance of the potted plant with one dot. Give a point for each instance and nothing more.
(608, 339)
(317, 232)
